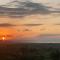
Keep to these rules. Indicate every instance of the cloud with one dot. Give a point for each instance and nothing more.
(57, 24)
(27, 29)
(23, 8)
(50, 35)
(11, 25)
(6, 25)
(37, 7)
(32, 24)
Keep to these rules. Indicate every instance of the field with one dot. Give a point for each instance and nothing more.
(25, 51)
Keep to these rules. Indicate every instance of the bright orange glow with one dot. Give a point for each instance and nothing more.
(3, 38)
(12, 33)
(7, 34)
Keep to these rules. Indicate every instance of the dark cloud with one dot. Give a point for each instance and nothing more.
(6, 25)
(27, 30)
(11, 25)
(55, 10)
(32, 24)
(23, 9)
(49, 35)
(57, 24)
(37, 7)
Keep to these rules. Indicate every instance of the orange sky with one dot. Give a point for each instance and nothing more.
(31, 32)
(17, 27)
(48, 26)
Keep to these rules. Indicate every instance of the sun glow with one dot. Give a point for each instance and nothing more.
(7, 34)
(3, 38)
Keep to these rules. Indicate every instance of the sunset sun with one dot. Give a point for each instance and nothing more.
(3, 38)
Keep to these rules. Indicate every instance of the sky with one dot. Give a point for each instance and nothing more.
(38, 1)
(34, 25)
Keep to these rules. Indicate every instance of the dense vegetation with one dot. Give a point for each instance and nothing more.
(29, 51)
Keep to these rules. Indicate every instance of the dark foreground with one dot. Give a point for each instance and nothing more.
(30, 51)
